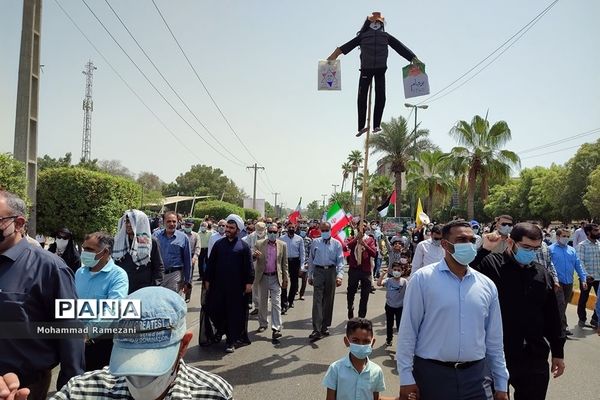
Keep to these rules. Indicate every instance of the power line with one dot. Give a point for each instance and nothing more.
(155, 88)
(525, 28)
(124, 80)
(168, 83)
(202, 82)
(560, 141)
(552, 152)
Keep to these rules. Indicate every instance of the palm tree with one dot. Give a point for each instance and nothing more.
(346, 169)
(354, 158)
(400, 144)
(429, 176)
(481, 150)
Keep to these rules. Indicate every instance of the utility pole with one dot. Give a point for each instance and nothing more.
(334, 188)
(88, 107)
(255, 167)
(415, 108)
(324, 196)
(26, 116)
(276, 212)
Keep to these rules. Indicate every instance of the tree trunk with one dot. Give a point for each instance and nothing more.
(471, 194)
(485, 187)
(352, 192)
(430, 204)
(461, 190)
(343, 181)
(398, 187)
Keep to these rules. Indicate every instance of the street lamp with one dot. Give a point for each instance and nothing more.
(415, 108)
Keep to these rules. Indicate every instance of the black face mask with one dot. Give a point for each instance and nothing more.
(2, 237)
(291, 230)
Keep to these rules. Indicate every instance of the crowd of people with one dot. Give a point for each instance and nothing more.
(476, 307)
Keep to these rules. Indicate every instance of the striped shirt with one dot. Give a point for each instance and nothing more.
(190, 383)
(589, 255)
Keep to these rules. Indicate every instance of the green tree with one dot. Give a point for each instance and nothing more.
(115, 167)
(482, 150)
(314, 210)
(82, 200)
(203, 180)
(591, 199)
(49, 162)
(151, 188)
(428, 176)
(12, 175)
(503, 199)
(579, 168)
(355, 158)
(545, 194)
(399, 144)
(346, 170)
(344, 198)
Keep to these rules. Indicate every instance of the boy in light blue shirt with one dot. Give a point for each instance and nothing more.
(355, 377)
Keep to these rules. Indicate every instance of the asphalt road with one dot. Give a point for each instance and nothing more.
(294, 369)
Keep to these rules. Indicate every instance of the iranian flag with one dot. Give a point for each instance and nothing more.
(293, 217)
(338, 219)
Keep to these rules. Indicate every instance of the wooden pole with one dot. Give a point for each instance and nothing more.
(363, 205)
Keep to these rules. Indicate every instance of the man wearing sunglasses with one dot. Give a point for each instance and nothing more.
(530, 317)
(503, 227)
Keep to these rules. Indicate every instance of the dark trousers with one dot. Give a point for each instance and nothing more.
(437, 382)
(355, 276)
(563, 298)
(202, 259)
(529, 378)
(366, 77)
(304, 278)
(392, 313)
(583, 298)
(97, 354)
(323, 298)
(294, 269)
(38, 384)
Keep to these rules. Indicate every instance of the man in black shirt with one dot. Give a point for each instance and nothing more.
(31, 279)
(530, 315)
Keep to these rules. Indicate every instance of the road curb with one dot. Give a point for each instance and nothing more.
(591, 303)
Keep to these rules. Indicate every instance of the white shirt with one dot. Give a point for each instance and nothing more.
(579, 237)
(426, 253)
(213, 239)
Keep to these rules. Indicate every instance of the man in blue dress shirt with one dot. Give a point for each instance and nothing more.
(325, 273)
(295, 255)
(446, 336)
(176, 255)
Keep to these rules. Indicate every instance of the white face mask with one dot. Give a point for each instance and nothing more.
(61, 244)
(375, 25)
(261, 234)
(149, 387)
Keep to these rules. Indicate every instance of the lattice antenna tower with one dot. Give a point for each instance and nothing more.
(88, 107)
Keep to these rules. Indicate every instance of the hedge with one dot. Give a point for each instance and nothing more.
(82, 200)
(12, 176)
(251, 213)
(217, 209)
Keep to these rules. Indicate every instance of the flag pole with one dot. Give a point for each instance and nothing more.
(363, 204)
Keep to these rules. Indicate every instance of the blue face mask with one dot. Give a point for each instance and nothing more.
(303, 233)
(326, 235)
(272, 236)
(464, 253)
(361, 351)
(88, 259)
(524, 256)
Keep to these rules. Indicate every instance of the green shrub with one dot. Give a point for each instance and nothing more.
(82, 200)
(12, 176)
(251, 213)
(217, 209)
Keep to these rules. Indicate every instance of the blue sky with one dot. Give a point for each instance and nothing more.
(259, 60)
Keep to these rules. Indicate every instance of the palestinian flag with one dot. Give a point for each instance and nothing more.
(383, 208)
(293, 217)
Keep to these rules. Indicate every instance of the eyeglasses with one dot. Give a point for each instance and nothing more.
(9, 217)
(525, 247)
(62, 237)
(506, 224)
(222, 226)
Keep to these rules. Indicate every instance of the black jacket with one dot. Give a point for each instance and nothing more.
(374, 48)
(529, 308)
(70, 256)
(141, 276)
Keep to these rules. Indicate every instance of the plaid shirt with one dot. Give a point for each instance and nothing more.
(307, 243)
(190, 383)
(589, 255)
